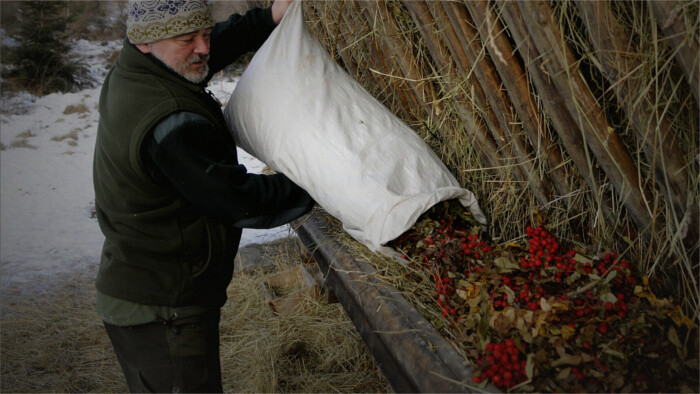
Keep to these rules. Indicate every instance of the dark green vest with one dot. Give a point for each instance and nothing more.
(158, 250)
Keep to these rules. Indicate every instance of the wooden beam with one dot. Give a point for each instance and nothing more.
(563, 123)
(413, 356)
(399, 51)
(507, 166)
(369, 55)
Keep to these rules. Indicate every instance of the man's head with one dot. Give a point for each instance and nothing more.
(174, 31)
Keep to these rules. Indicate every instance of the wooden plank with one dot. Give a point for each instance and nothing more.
(288, 290)
(412, 354)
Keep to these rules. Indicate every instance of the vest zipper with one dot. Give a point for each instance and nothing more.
(212, 97)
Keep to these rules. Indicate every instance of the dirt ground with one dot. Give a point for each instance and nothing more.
(52, 340)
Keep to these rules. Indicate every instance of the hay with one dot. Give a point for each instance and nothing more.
(608, 154)
(53, 341)
(315, 348)
(418, 287)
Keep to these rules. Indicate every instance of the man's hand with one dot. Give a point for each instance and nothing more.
(279, 8)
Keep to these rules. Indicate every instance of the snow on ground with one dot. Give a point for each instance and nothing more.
(47, 223)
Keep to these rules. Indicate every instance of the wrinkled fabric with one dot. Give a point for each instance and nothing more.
(300, 113)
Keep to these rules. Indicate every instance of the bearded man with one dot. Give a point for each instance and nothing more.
(170, 195)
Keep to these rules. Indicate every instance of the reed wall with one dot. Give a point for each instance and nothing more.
(579, 114)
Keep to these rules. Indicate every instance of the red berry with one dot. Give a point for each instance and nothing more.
(609, 306)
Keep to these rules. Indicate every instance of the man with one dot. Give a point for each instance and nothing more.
(171, 198)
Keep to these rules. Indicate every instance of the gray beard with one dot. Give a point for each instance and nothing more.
(195, 78)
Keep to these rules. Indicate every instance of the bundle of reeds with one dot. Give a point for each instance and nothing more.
(579, 114)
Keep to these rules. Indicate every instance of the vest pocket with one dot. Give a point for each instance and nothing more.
(200, 265)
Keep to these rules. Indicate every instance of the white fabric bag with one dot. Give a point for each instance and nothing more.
(300, 113)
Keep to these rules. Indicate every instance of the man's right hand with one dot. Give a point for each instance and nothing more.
(279, 8)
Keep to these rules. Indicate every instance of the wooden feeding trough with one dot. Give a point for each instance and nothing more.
(413, 356)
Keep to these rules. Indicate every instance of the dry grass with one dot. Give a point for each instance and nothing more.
(76, 109)
(397, 58)
(53, 341)
(313, 349)
(72, 135)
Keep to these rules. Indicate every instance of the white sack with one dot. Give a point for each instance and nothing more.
(300, 113)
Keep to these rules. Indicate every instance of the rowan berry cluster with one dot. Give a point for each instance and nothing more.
(444, 290)
(503, 364)
(454, 250)
(622, 285)
(543, 251)
(583, 297)
(473, 246)
(529, 296)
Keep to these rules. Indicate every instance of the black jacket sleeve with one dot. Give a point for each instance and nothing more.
(237, 35)
(202, 165)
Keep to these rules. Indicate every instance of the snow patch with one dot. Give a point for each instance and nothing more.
(48, 227)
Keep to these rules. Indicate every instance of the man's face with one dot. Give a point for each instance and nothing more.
(187, 54)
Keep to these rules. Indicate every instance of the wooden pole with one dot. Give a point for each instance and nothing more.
(566, 128)
(599, 135)
(618, 58)
(458, 55)
(321, 14)
(684, 44)
(368, 53)
(400, 54)
(487, 75)
(471, 122)
(515, 81)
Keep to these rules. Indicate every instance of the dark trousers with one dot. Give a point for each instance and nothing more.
(181, 355)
